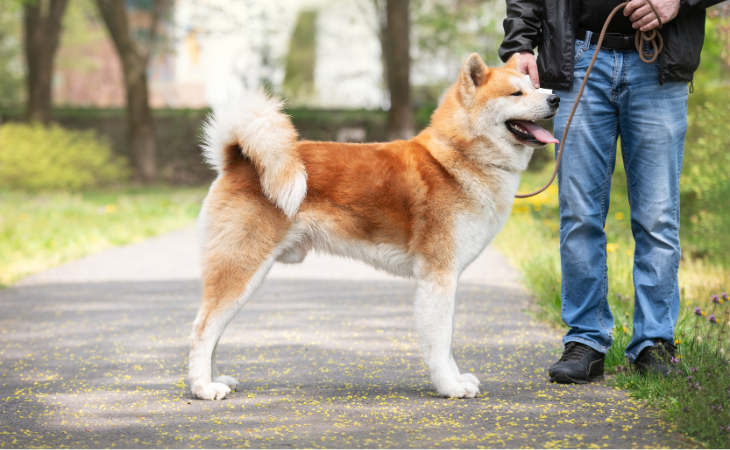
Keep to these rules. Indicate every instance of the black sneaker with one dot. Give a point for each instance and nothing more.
(579, 364)
(656, 359)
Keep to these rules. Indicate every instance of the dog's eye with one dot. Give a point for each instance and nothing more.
(517, 94)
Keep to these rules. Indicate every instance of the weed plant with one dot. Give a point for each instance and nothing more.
(696, 395)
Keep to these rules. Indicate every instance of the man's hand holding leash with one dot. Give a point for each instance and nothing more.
(643, 17)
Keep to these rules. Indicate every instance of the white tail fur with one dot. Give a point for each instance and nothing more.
(267, 137)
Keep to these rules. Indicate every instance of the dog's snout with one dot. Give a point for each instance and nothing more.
(554, 101)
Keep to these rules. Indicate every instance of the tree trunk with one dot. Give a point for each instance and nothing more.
(397, 45)
(141, 126)
(41, 38)
(141, 130)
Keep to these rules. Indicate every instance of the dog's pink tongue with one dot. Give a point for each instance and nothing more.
(540, 133)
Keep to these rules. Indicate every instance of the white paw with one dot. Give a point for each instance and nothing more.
(467, 377)
(471, 389)
(460, 390)
(228, 381)
(211, 391)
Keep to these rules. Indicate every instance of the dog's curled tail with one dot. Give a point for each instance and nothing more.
(253, 123)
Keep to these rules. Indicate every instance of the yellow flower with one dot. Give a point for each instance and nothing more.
(612, 247)
(110, 208)
(619, 216)
(626, 329)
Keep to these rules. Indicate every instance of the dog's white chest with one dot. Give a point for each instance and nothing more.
(474, 230)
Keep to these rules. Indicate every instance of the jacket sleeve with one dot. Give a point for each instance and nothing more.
(688, 6)
(522, 26)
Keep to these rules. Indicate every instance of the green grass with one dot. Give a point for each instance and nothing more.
(695, 396)
(38, 231)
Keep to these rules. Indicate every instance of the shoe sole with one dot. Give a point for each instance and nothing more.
(562, 378)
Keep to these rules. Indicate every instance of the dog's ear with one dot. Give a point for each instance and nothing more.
(473, 74)
(513, 62)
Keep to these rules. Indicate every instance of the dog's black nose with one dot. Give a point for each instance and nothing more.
(554, 100)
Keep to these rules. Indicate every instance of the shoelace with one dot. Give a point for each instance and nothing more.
(574, 351)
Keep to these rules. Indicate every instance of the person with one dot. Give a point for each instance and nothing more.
(644, 104)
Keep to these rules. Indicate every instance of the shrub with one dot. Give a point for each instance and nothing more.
(705, 186)
(35, 157)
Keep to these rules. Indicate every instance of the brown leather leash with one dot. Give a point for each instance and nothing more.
(641, 38)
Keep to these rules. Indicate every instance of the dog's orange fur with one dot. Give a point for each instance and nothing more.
(404, 194)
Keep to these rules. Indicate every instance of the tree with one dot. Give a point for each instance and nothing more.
(135, 57)
(445, 32)
(12, 67)
(302, 58)
(395, 44)
(42, 20)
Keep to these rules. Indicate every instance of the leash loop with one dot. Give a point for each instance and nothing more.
(639, 41)
(641, 38)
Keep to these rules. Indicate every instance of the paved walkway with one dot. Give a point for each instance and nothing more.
(93, 354)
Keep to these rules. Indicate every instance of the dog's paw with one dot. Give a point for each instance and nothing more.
(228, 381)
(460, 390)
(211, 391)
(471, 389)
(469, 378)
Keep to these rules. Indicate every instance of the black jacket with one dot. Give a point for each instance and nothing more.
(548, 25)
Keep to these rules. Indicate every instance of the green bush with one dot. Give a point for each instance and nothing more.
(34, 157)
(705, 186)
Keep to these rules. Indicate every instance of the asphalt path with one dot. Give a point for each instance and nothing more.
(94, 354)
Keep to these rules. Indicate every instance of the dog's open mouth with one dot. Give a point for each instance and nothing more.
(530, 132)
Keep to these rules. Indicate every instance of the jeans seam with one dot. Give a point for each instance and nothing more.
(675, 196)
(625, 77)
(615, 74)
(604, 299)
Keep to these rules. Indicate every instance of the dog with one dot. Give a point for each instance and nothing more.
(423, 208)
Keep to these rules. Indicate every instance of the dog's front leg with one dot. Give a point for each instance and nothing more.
(466, 376)
(435, 324)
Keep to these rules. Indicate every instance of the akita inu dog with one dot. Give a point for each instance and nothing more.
(423, 208)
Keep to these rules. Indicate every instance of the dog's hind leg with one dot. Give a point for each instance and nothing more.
(220, 305)
(435, 324)
(238, 252)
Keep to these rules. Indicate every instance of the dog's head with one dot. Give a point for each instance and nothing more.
(499, 104)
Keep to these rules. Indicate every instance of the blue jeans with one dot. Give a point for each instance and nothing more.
(623, 97)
